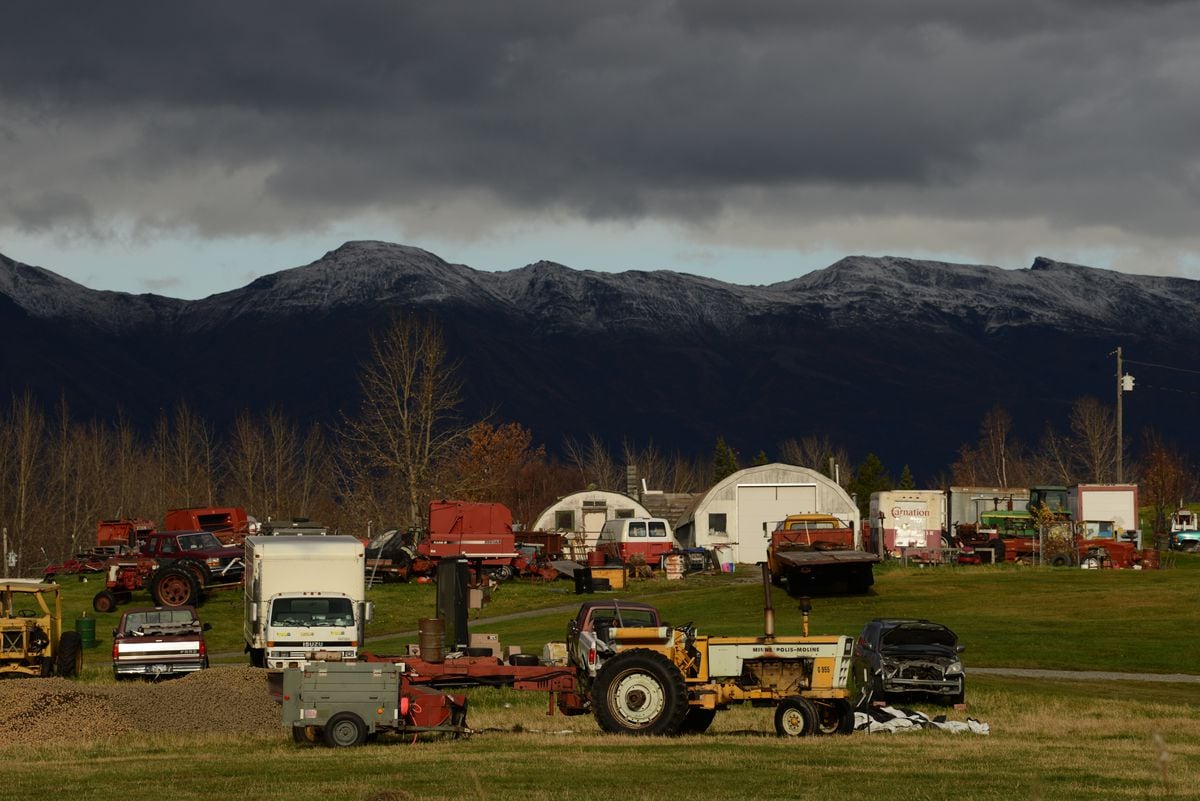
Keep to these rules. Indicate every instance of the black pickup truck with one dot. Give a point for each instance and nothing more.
(154, 642)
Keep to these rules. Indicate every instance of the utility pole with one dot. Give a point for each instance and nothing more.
(1120, 422)
(1124, 384)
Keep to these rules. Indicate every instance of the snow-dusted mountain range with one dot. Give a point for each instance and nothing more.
(891, 355)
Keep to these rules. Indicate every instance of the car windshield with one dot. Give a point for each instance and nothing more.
(312, 612)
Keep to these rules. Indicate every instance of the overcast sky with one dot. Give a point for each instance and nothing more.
(185, 148)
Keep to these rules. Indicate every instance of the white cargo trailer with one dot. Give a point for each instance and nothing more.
(909, 523)
(1105, 511)
(304, 600)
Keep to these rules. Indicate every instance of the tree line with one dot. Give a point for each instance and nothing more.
(379, 465)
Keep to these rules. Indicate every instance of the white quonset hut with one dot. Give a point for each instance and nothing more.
(581, 515)
(730, 517)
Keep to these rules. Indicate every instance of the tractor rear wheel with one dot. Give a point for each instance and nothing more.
(198, 569)
(639, 692)
(69, 659)
(174, 586)
(796, 717)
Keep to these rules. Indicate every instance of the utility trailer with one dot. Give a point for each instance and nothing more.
(342, 703)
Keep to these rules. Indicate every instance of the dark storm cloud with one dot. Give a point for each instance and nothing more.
(614, 109)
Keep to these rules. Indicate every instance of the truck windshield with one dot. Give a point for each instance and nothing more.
(198, 541)
(312, 612)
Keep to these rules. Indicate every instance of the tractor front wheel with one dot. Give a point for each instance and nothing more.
(835, 717)
(796, 717)
(105, 601)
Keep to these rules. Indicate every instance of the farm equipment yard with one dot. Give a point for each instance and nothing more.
(217, 727)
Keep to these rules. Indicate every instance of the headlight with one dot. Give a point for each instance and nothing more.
(954, 668)
(213, 562)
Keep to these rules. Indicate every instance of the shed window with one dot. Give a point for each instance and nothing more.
(564, 520)
(716, 524)
(624, 513)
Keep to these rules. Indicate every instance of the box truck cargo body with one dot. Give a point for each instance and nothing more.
(304, 600)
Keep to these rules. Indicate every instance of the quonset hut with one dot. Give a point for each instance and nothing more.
(580, 516)
(735, 518)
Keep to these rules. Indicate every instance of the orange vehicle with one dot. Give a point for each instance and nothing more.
(818, 551)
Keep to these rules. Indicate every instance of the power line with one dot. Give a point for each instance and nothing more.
(1162, 366)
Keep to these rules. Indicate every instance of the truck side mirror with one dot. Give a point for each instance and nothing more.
(958, 649)
(254, 613)
(368, 610)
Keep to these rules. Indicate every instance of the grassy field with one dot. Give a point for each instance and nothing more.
(1049, 739)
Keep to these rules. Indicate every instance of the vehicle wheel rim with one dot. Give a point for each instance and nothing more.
(345, 733)
(792, 722)
(174, 590)
(638, 699)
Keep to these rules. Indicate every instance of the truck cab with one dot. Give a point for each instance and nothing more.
(647, 538)
(589, 634)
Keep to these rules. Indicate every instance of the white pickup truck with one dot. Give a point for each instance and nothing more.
(159, 641)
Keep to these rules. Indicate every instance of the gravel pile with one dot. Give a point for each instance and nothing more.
(225, 699)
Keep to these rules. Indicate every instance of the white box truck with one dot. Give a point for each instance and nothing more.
(304, 600)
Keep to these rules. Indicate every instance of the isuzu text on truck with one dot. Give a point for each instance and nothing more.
(305, 600)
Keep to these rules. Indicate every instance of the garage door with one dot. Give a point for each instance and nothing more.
(767, 503)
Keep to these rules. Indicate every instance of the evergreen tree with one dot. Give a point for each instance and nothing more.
(725, 461)
(907, 481)
(761, 459)
(871, 476)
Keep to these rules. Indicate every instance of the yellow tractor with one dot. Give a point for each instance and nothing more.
(32, 642)
(664, 681)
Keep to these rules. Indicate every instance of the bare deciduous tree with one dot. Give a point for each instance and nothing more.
(596, 466)
(1094, 440)
(403, 427)
(814, 452)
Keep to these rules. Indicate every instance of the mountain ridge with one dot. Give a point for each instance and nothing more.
(859, 350)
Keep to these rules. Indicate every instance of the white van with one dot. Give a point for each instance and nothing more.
(651, 537)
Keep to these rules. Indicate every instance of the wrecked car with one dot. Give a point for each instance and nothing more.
(895, 657)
